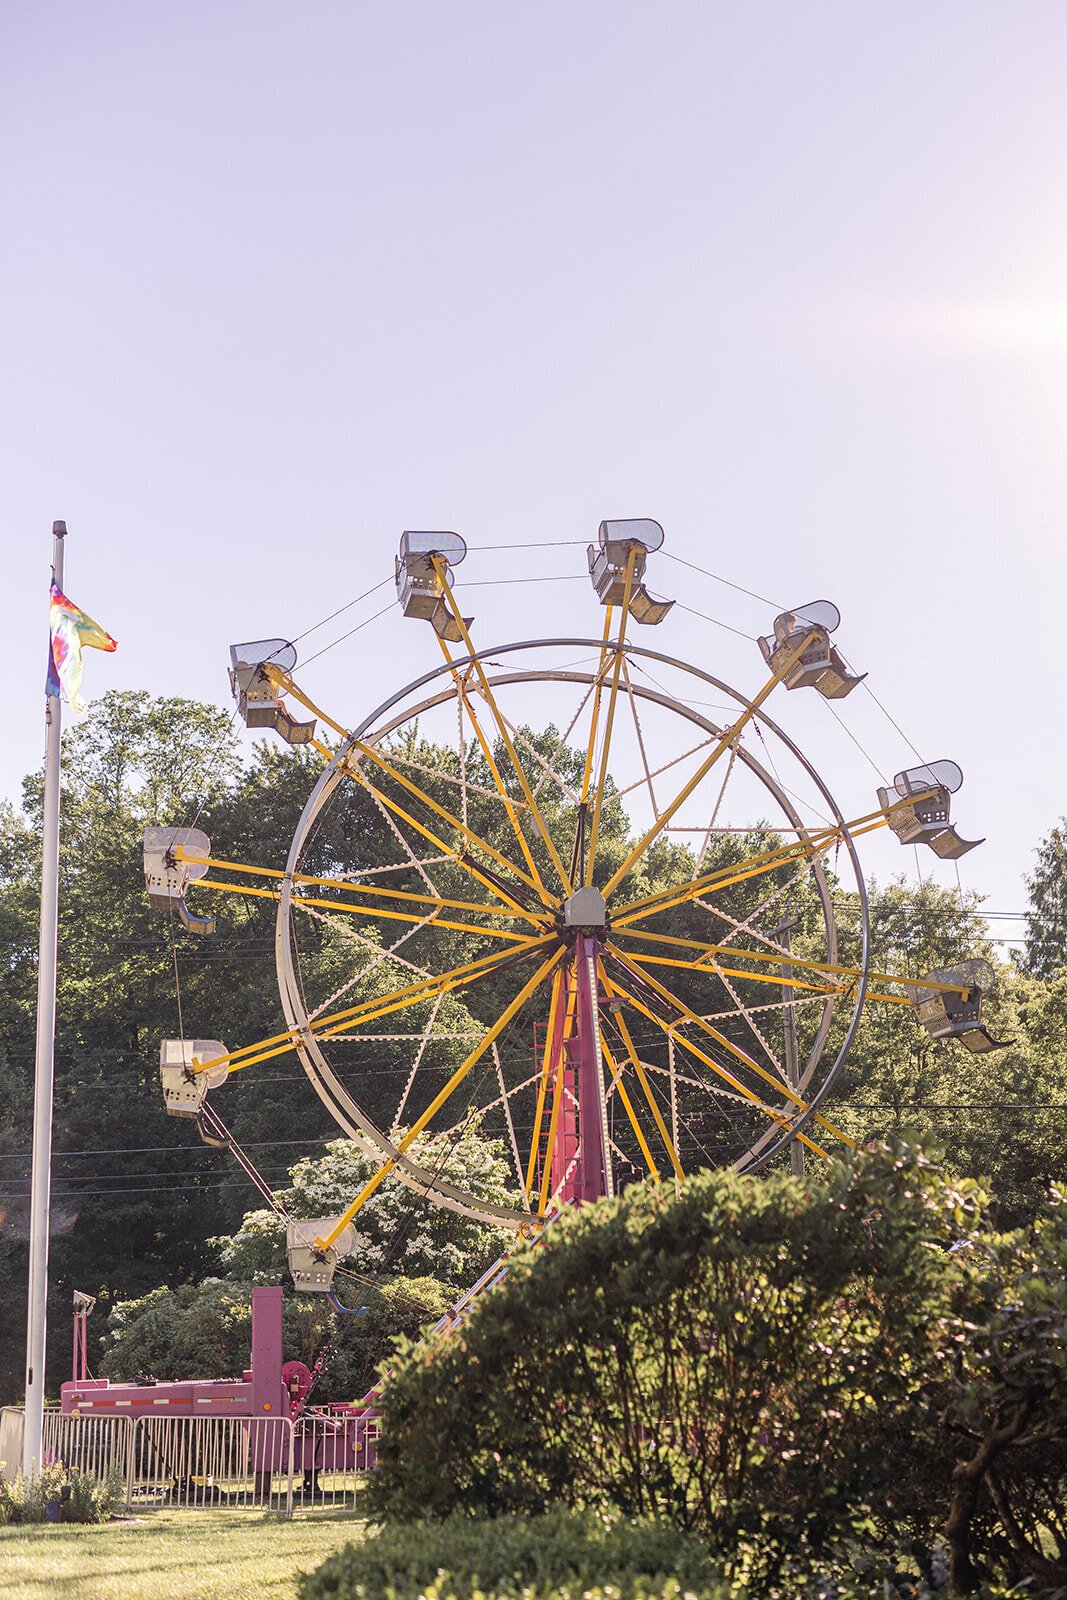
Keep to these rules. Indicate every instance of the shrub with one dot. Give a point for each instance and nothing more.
(730, 1359)
(555, 1554)
(81, 1498)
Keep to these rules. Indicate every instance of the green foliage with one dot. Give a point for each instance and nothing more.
(1000, 1117)
(1006, 1406)
(1046, 920)
(398, 1230)
(205, 1331)
(562, 1552)
(81, 1497)
(718, 1359)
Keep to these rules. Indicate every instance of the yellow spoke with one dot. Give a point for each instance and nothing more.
(832, 993)
(777, 1117)
(424, 989)
(557, 1096)
(725, 741)
(640, 739)
(773, 958)
(778, 1084)
(557, 985)
(472, 838)
(596, 707)
(487, 752)
(812, 845)
(282, 680)
(438, 1101)
(441, 570)
(730, 972)
(348, 885)
(620, 1022)
(620, 1088)
(612, 699)
(363, 911)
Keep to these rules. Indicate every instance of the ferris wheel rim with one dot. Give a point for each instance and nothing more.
(361, 1128)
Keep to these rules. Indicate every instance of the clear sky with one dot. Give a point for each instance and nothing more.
(281, 280)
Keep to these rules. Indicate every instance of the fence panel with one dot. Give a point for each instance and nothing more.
(94, 1445)
(329, 1454)
(12, 1428)
(213, 1461)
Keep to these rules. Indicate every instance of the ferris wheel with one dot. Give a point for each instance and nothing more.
(576, 893)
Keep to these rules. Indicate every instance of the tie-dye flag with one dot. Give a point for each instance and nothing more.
(72, 630)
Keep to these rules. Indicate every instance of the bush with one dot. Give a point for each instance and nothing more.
(730, 1359)
(81, 1498)
(554, 1555)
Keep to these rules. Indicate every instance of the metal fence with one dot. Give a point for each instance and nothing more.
(212, 1461)
(268, 1463)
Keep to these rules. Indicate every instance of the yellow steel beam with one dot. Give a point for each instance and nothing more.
(620, 1022)
(713, 951)
(594, 723)
(811, 845)
(830, 992)
(613, 695)
(424, 989)
(620, 1088)
(725, 741)
(542, 1082)
(778, 1084)
(447, 849)
(727, 1077)
(362, 911)
(557, 1094)
(509, 804)
(345, 884)
(773, 958)
(438, 1101)
(282, 680)
(441, 570)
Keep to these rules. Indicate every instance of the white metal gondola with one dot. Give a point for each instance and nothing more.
(953, 1013)
(610, 558)
(168, 875)
(311, 1267)
(418, 585)
(925, 820)
(185, 1089)
(256, 693)
(819, 665)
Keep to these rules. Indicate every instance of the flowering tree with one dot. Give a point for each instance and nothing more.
(399, 1231)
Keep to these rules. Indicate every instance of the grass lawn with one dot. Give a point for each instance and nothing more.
(168, 1555)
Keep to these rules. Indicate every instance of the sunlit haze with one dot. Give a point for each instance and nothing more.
(281, 281)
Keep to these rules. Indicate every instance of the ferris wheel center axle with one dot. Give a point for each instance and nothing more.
(586, 908)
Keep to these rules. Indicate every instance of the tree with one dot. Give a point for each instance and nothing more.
(120, 1225)
(1046, 920)
(1006, 1410)
(399, 1231)
(1001, 1116)
(204, 1330)
(408, 1260)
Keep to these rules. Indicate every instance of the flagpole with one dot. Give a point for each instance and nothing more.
(44, 1070)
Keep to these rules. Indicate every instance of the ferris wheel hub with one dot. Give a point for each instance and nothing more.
(586, 909)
